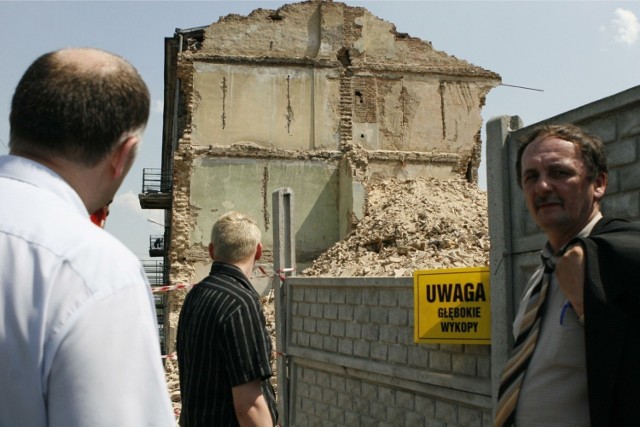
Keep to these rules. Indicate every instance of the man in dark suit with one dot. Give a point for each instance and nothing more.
(576, 355)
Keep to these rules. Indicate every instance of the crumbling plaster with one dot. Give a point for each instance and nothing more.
(293, 107)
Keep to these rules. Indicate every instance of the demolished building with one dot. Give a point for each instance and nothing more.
(315, 96)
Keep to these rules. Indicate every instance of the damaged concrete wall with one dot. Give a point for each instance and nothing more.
(284, 72)
(287, 106)
(317, 96)
(215, 190)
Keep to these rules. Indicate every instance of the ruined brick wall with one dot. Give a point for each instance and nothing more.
(295, 97)
(314, 80)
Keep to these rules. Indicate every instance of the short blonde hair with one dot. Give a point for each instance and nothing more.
(234, 237)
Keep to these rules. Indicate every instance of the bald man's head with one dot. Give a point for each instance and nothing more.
(77, 104)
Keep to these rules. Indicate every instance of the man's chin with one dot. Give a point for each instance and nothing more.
(548, 217)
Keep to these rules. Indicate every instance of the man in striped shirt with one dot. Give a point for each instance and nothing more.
(223, 346)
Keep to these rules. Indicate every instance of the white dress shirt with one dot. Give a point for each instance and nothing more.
(78, 339)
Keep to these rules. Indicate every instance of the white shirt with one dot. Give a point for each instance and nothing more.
(554, 391)
(78, 340)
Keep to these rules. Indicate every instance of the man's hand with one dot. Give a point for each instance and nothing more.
(570, 275)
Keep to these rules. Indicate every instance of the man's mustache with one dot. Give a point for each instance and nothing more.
(544, 200)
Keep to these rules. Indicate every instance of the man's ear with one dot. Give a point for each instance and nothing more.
(211, 252)
(258, 252)
(123, 156)
(600, 186)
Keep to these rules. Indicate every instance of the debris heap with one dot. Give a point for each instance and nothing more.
(416, 224)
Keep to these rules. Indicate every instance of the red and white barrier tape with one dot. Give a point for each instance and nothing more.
(170, 287)
(279, 272)
(166, 288)
(282, 271)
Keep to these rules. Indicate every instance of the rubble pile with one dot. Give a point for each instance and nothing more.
(173, 384)
(415, 224)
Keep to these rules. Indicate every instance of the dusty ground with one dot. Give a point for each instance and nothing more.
(416, 224)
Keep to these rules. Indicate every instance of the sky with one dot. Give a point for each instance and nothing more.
(571, 53)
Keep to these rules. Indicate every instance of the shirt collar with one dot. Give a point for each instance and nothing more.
(38, 175)
(547, 251)
(219, 267)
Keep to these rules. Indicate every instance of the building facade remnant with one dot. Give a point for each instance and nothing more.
(316, 96)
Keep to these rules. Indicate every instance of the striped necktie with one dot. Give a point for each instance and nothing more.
(523, 347)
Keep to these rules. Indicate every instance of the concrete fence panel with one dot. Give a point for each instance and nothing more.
(352, 360)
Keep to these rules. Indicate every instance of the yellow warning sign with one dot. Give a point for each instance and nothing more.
(452, 306)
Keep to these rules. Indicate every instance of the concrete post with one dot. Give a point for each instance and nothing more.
(499, 182)
(284, 264)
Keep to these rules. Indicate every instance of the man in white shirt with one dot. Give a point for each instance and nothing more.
(78, 341)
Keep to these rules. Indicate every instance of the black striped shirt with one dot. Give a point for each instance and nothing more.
(222, 342)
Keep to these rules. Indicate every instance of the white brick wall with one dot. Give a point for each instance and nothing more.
(353, 361)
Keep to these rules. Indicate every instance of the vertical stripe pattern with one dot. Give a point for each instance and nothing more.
(222, 342)
(523, 347)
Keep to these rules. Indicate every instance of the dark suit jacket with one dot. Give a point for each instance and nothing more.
(612, 322)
